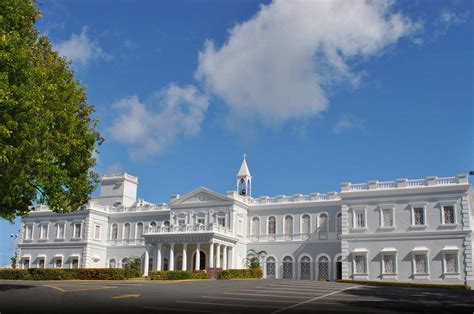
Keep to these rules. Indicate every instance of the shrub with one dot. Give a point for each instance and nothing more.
(241, 273)
(405, 284)
(177, 275)
(65, 274)
(14, 274)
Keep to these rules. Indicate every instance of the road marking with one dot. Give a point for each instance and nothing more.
(80, 289)
(177, 310)
(245, 299)
(226, 304)
(297, 289)
(125, 296)
(265, 295)
(313, 299)
(285, 292)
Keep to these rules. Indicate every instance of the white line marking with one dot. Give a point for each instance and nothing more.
(265, 295)
(225, 304)
(244, 299)
(284, 292)
(297, 289)
(176, 309)
(313, 299)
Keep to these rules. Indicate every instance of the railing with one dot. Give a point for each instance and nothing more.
(318, 236)
(188, 229)
(124, 242)
(313, 197)
(405, 183)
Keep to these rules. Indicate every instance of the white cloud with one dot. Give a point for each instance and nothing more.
(276, 66)
(449, 17)
(80, 49)
(151, 128)
(347, 121)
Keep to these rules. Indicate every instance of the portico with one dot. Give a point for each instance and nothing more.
(188, 252)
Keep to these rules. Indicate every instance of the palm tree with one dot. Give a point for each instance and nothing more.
(253, 258)
(133, 262)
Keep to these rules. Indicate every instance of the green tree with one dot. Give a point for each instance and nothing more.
(133, 262)
(13, 261)
(253, 258)
(47, 134)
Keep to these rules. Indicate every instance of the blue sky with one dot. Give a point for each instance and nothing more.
(315, 93)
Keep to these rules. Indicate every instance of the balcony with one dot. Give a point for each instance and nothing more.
(126, 242)
(189, 229)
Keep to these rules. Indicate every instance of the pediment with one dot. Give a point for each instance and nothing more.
(201, 195)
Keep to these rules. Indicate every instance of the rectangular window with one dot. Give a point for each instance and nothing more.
(201, 221)
(389, 264)
(451, 263)
(58, 262)
(60, 231)
(421, 264)
(360, 264)
(97, 232)
(221, 221)
(44, 232)
(41, 262)
(182, 221)
(29, 232)
(26, 263)
(75, 263)
(360, 219)
(419, 216)
(449, 214)
(77, 230)
(387, 215)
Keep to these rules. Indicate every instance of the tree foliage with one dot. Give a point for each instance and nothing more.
(253, 258)
(47, 133)
(133, 262)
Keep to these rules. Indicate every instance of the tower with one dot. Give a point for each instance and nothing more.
(244, 179)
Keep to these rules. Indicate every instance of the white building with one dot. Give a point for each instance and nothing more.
(404, 230)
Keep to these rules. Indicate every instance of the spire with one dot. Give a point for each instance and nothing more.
(244, 179)
(244, 169)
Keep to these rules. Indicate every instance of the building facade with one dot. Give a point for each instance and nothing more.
(403, 230)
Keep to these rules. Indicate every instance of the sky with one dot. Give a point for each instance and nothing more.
(314, 92)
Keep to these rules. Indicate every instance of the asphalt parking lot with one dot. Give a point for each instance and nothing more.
(212, 296)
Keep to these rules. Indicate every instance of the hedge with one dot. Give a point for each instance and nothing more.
(177, 275)
(405, 284)
(241, 273)
(65, 274)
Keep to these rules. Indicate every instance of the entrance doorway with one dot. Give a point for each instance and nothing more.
(339, 268)
(202, 260)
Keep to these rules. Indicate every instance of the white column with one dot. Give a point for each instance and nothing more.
(158, 257)
(147, 261)
(171, 266)
(198, 257)
(224, 257)
(232, 258)
(218, 256)
(185, 260)
(211, 255)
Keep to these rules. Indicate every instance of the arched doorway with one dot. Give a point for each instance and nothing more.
(270, 268)
(202, 260)
(305, 268)
(287, 267)
(323, 268)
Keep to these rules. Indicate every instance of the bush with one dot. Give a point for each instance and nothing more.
(241, 273)
(65, 274)
(405, 284)
(177, 275)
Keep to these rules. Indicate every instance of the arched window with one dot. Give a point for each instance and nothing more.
(165, 264)
(124, 262)
(288, 225)
(179, 262)
(339, 223)
(270, 267)
(114, 235)
(112, 263)
(139, 230)
(153, 224)
(323, 268)
(305, 268)
(287, 267)
(255, 226)
(323, 223)
(271, 225)
(305, 224)
(166, 223)
(126, 231)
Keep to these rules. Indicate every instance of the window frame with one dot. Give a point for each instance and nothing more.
(95, 231)
(426, 253)
(31, 237)
(258, 225)
(447, 275)
(74, 228)
(327, 222)
(412, 214)
(450, 204)
(355, 211)
(360, 252)
(285, 232)
(44, 225)
(58, 224)
(381, 209)
(389, 252)
(310, 227)
(268, 226)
